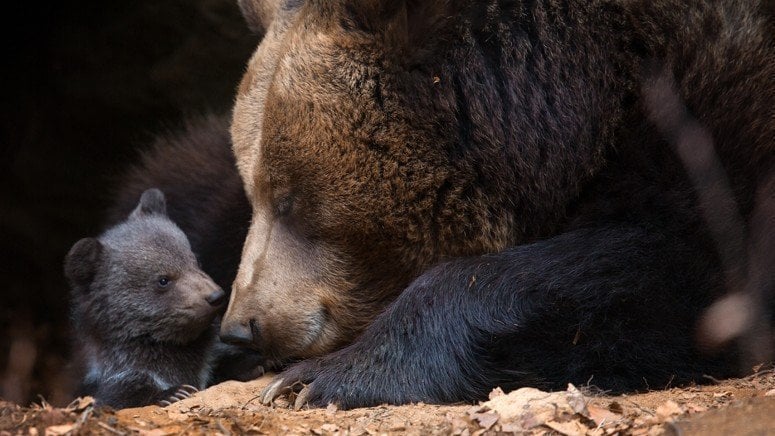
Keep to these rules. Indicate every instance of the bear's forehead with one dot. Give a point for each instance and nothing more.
(299, 82)
(275, 74)
(149, 239)
(143, 263)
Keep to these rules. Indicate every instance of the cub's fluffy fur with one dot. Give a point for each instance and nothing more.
(142, 308)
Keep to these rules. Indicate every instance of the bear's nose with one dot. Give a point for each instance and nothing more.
(237, 334)
(216, 298)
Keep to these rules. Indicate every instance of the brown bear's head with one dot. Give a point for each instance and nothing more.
(346, 138)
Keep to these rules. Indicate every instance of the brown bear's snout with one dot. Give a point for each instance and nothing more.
(238, 333)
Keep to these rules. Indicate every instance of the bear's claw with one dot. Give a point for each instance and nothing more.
(302, 397)
(182, 392)
(273, 390)
(299, 380)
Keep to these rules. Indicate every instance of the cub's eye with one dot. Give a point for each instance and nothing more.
(164, 281)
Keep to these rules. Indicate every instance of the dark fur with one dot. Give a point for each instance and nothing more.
(194, 168)
(142, 308)
(567, 309)
(433, 131)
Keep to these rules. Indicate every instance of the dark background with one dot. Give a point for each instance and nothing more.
(87, 86)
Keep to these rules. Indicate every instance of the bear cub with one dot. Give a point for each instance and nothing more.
(143, 310)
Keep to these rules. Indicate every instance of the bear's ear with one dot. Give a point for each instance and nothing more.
(259, 14)
(152, 202)
(82, 261)
(398, 24)
(375, 16)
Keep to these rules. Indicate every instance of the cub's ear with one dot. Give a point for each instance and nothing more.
(82, 261)
(259, 14)
(152, 202)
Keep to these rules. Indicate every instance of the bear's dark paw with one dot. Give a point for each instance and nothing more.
(177, 393)
(298, 381)
(348, 378)
(334, 379)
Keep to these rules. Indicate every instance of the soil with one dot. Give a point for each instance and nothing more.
(739, 406)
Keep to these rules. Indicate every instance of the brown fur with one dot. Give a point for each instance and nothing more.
(377, 139)
(195, 169)
(259, 13)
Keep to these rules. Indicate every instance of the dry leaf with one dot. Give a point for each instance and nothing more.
(602, 416)
(516, 403)
(497, 392)
(576, 400)
(56, 430)
(154, 432)
(656, 431)
(329, 427)
(358, 431)
(770, 393)
(80, 404)
(458, 423)
(640, 432)
(528, 420)
(486, 420)
(694, 408)
(570, 428)
(616, 407)
(512, 427)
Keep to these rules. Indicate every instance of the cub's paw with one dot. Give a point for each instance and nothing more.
(173, 395)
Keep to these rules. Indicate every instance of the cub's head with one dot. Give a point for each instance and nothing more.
(141, 280)
(346, 165)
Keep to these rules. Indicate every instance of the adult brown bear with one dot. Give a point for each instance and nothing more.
(454, 195)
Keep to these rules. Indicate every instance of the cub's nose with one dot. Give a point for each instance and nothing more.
(237, 334)
(216, 298)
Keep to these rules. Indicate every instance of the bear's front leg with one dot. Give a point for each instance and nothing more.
(128, 388)
(615, 306)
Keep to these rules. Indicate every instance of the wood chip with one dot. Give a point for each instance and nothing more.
(669, 409)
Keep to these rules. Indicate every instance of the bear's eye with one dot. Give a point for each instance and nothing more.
(164, 281)
(284, 206)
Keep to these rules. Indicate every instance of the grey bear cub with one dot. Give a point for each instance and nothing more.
(143, 310)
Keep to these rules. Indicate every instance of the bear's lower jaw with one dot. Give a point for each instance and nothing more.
(313, 338)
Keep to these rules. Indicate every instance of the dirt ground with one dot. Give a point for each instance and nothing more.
(740, 407)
